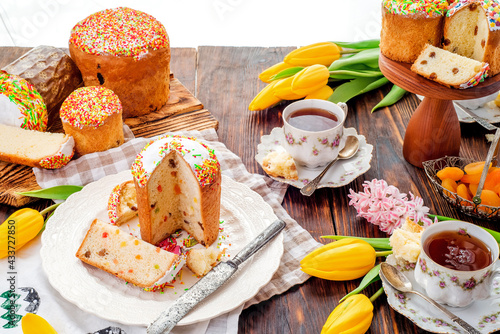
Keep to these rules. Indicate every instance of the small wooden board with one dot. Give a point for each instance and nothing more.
(183, 111)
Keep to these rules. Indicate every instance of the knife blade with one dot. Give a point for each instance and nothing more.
(474, 116)
(215, 278)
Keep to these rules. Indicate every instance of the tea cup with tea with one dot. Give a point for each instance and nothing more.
(457, 263)
(313, 131)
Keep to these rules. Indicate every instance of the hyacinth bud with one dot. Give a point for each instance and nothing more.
(341, 260)
(323, 53)
(354, 316)
(310, 79)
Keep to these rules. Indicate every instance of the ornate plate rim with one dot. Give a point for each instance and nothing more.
(271, 255)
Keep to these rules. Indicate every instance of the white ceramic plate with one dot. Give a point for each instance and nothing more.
(340, 174)
(488, 111)
(245, 215)
(483, 315)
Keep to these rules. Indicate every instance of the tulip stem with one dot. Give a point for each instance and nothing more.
(49, 209)
(383, 253)
(376, 294)
(344, 52)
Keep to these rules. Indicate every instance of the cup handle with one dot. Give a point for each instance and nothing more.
(344, 107)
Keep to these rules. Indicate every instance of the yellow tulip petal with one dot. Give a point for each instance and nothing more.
(264, 99)
(283, 90)
(353, 316)
(26, 223)
(35, 324)
(321, 94)
(266, 75)
(323, 53)
(310, 79)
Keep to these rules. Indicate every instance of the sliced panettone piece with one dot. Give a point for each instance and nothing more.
(108, 248)
(280, 164)
(122, 204)
(201, 260)
(448, 68)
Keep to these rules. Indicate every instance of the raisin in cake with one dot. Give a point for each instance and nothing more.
(178, 185)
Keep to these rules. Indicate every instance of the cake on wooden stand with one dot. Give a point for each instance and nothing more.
(434, 129)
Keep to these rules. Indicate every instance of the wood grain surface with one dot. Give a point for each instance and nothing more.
(183, 111)
(225, 80)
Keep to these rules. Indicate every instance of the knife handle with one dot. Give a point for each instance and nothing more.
(263, 238)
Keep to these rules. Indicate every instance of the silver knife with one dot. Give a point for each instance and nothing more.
(472, 114)
(215, 278)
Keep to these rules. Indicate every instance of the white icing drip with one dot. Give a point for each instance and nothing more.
(67, 147)
(151, 156)
(172, 272)
(10, 114)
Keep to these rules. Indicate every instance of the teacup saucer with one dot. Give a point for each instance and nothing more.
(484, 315)
(341, 174)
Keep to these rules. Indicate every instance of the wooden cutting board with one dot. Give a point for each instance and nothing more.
(183, 111)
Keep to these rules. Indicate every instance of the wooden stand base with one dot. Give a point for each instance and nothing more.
(433, 132)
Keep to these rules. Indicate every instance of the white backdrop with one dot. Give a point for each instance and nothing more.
(191, 23)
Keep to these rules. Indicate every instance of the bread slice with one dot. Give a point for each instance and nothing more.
(280, 165)
(35, 148)
(201, 260)
(448, 68)
(122, 203)
(108, 248)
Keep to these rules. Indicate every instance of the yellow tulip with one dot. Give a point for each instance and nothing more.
(265, 98)
(22, 226)
(283, 90)
(35, 324)
(497, 100)
(323, 53)
(310, 79)
(266, 75)
(341, 260)
(353, 316)
(321, 94)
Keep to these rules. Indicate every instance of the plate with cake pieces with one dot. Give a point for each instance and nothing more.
(128, 245)
(277, 163)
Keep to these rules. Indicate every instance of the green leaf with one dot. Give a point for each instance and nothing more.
(287, 72)
(367, 57)
(367, 44)
(348, 90)
(395, 94)
(370, 277)
(377, 243)
(57, 192)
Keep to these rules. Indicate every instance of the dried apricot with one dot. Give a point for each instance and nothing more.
(492, 179)
(497, 189)
(453, 173)
(490, 198)
(471, 178)
(473, 189)
(475, 167)
(450, 185)
(463, 192)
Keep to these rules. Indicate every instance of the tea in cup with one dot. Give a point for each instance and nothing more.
(313, 131)
(457, 263)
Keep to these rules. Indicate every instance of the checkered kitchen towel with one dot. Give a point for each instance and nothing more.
(297, 241)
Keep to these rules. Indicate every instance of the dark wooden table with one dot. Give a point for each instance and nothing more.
(225, 80)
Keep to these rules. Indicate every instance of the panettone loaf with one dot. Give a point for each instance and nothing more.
(407, 26)
(54, 75)
(93, 116)
(178, 185)
(472, 29)
(35, 148)
(127, 51)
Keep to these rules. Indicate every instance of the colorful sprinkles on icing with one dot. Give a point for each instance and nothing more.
(428, 8)
(491, 8)
(32, 109)
(56, 161)
(121, 32)
(479, 77)
(90, 106)
(113, 204)
(202, 159)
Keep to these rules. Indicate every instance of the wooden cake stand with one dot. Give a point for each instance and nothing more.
(434, 129)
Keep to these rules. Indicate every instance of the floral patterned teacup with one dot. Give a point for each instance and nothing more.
(314, 148)
(456, 288)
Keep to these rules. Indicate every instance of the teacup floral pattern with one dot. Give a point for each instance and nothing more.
(292, 141)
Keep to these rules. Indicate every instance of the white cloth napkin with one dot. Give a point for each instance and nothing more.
(66, 317)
